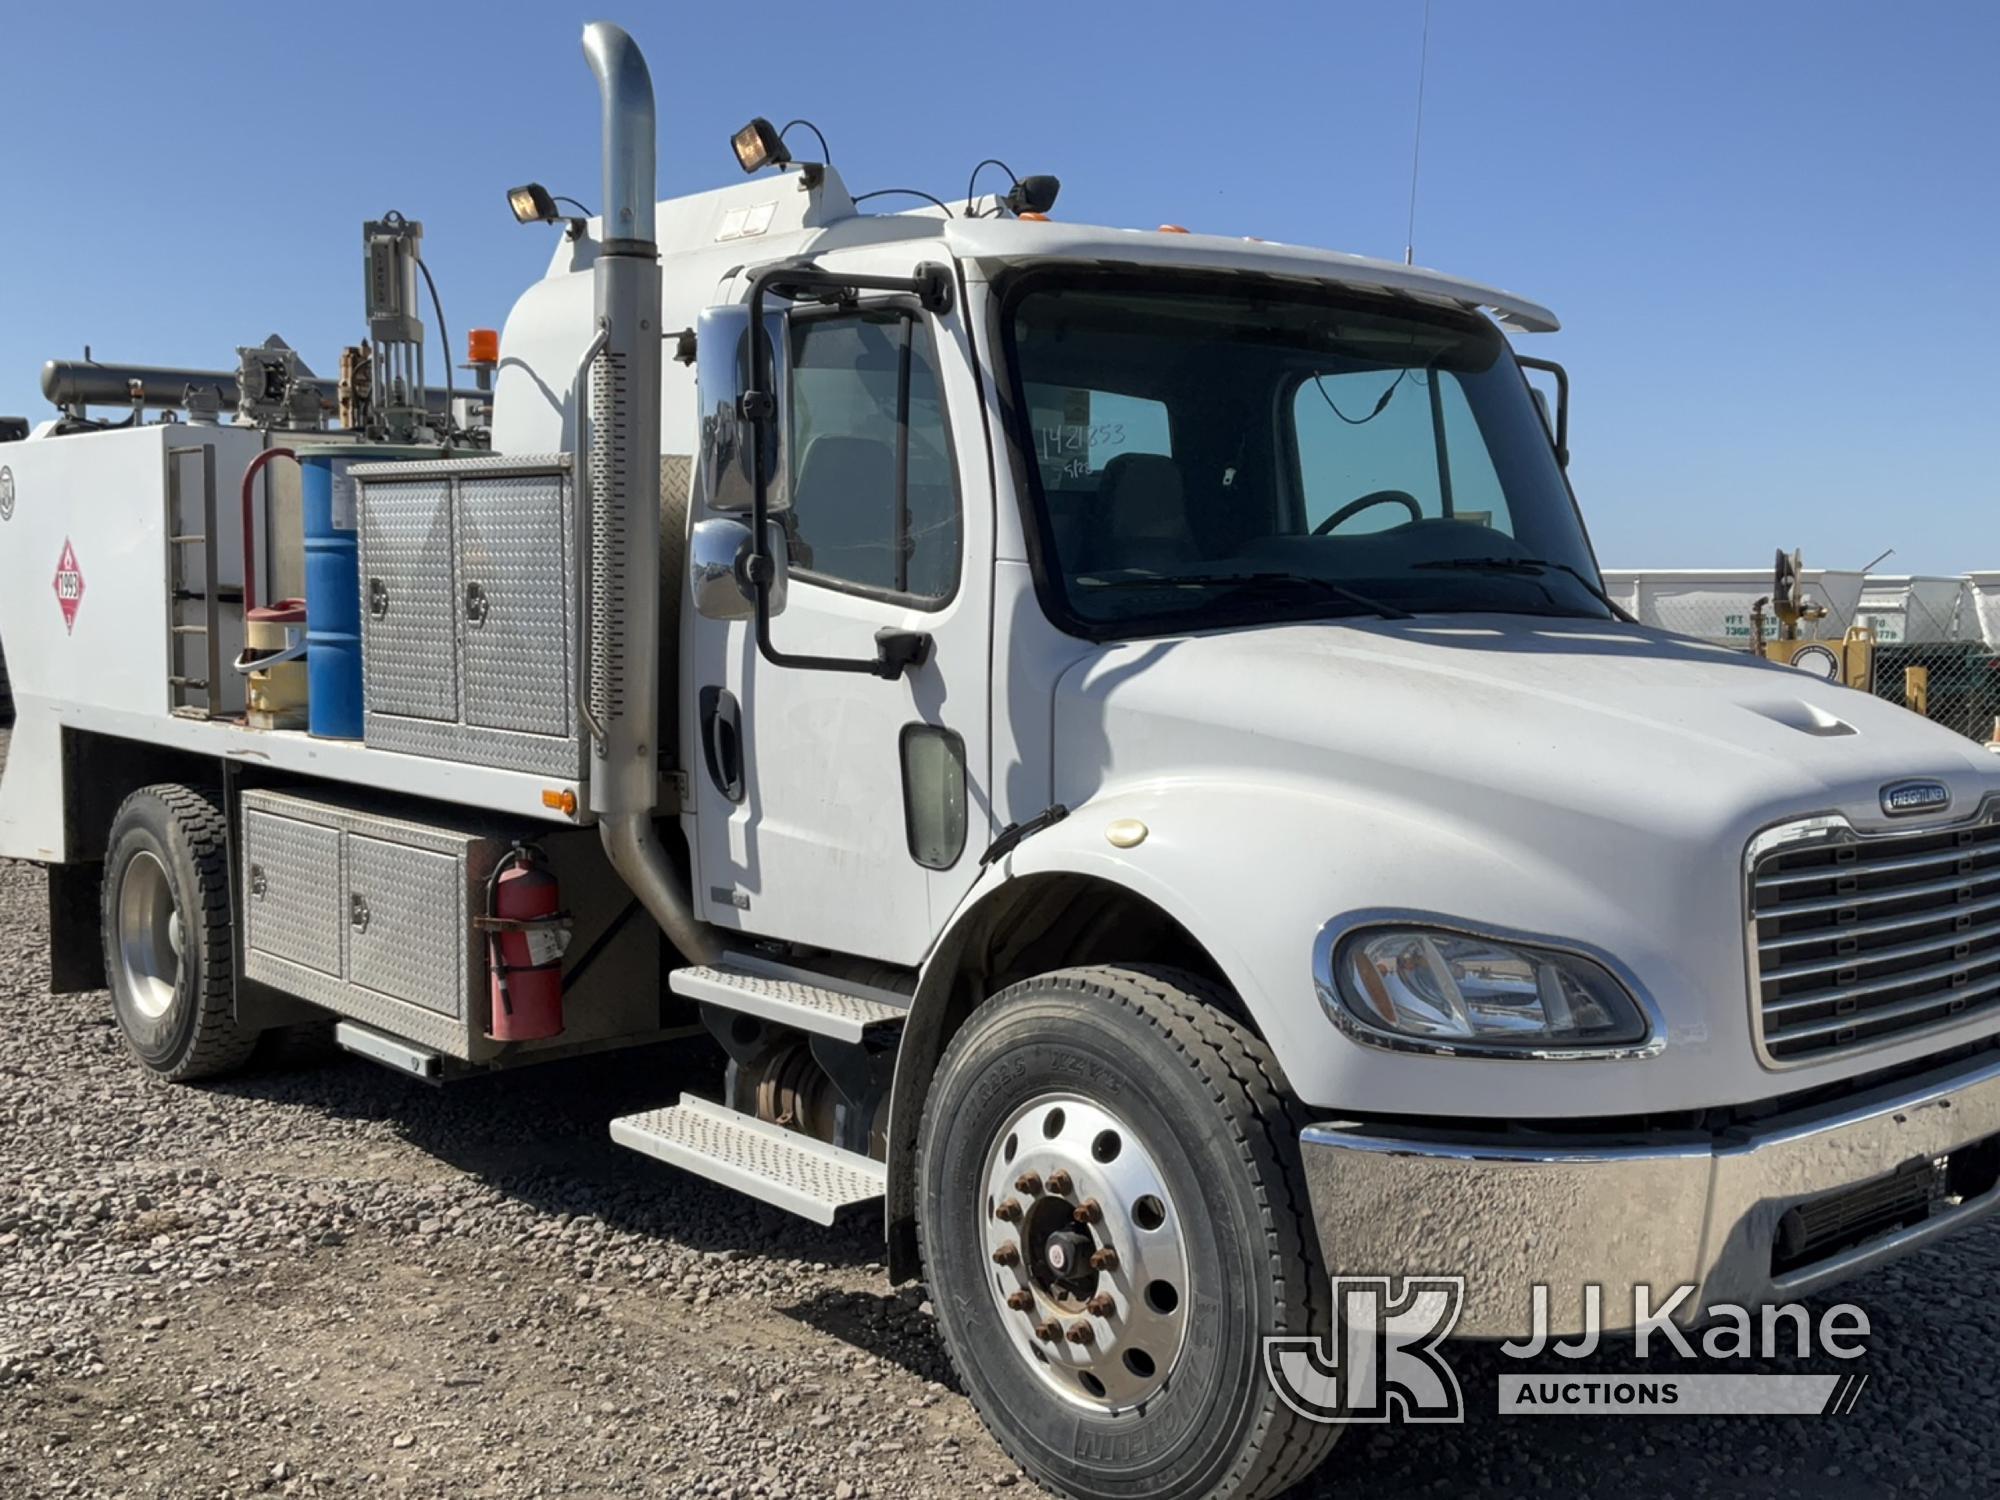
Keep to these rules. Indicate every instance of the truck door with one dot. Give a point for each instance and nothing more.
(840, 810)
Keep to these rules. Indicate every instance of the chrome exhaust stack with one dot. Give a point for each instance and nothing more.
(622, 472)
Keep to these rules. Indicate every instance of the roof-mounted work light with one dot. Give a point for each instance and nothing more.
(532, 204)
(758, 145)
(1033, 195)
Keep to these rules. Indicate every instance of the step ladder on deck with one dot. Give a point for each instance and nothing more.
(198, 684)
(782, 1167)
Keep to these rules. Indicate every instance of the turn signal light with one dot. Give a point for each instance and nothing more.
(562, 799)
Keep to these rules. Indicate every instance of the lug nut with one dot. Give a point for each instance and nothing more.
(1020, 1301)
(1008, 1212)
(1059, 1183)
(1104, 1260)
(1101, 1306)
(1006, 1255)
(1029, 1183)
(1088, 1212)
(1048, 1332)
(1080, 1333)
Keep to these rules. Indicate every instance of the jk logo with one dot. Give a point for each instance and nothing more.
(1382, 1362)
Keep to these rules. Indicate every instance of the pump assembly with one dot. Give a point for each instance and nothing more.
(380, 392)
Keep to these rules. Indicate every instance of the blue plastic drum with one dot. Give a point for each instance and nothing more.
(333, 596)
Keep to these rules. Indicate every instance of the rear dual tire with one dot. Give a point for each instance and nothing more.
(168, 955)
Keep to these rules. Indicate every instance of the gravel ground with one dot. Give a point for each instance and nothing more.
(329, 1280)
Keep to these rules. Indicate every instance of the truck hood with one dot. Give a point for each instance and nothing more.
(1584, 782)
(1503, 717)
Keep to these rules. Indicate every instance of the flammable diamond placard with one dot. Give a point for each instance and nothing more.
(69, 585)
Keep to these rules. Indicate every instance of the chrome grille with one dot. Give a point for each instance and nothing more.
(1858, 940)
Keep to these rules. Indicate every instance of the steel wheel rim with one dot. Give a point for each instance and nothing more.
(1032, 1237)
(149, 935)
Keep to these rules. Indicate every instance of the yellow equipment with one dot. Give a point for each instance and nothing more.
(1849, 660)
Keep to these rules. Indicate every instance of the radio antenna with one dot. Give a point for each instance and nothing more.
(1417, 145)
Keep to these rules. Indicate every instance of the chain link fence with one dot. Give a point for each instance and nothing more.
(1946, 625)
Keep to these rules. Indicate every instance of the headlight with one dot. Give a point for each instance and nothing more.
(1449, 987)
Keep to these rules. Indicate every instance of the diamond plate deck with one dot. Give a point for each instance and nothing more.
(768, 1162)
(794, 997)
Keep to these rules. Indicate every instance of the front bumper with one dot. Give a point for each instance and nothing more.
(1662, 1211)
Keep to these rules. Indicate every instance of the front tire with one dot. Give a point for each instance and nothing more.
(167, 934)
(1138, 1373)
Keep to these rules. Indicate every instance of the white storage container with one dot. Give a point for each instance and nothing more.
(1917, 609)
(1983, 590)
(1715, 603)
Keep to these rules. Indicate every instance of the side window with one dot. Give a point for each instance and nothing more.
(1360, 433)
(874, 495)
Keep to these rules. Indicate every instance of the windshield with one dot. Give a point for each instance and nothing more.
(1208, 452)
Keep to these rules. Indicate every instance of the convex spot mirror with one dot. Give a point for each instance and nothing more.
(722, 375)
(718, 576)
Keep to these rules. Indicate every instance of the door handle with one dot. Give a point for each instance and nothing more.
(722, 741)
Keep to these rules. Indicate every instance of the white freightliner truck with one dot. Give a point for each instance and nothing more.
(1116, 736)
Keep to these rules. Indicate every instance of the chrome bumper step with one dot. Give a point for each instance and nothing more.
(791, 1171)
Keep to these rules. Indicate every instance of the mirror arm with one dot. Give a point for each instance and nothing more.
(896, 651)
(1550, 367)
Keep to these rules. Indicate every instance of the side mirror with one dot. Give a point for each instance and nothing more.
(722, 376)
(1559, 428)
(718, 581)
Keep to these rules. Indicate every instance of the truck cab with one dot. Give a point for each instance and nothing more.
(1118, 742)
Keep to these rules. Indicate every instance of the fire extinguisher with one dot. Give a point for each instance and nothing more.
(526, 933)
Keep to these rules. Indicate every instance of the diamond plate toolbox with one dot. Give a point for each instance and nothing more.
(470, 637)
(369, 916)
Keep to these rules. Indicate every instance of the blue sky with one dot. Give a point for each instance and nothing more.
(1770, 229)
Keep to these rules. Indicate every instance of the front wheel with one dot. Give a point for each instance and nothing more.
(1113, 1220)
(167, 934)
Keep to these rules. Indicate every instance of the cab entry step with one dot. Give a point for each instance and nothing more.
(792, 1171)
(799, 998)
